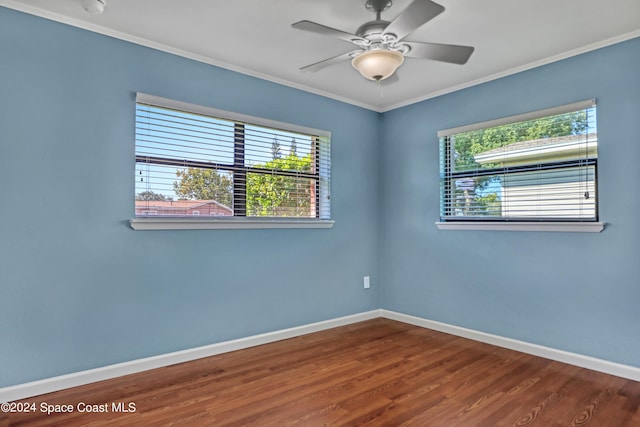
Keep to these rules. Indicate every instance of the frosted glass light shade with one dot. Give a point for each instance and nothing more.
(377, 64)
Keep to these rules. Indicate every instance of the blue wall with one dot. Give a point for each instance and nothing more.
(79, 288)
(572, 291)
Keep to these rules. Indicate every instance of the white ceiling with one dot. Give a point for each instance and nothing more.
(255, 37)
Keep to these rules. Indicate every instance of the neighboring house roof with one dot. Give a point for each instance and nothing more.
(561, 147)
(169, 206)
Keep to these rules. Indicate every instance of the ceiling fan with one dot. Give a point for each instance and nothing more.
(381, 45)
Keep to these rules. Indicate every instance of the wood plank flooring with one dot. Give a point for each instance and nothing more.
(374, 373)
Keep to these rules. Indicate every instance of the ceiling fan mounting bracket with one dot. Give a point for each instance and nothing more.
(378, 6)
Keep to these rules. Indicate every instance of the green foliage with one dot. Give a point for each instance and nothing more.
(277, 195)
(469, 144)
(276, 152)
(489, 204)
(204, 184)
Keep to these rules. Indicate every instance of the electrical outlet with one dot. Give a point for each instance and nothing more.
(367, 282)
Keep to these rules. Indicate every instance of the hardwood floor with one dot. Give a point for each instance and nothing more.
(376, 373)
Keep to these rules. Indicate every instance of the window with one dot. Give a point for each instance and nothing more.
(194, 161)
(538, 167)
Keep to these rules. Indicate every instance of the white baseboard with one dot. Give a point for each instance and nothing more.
(612, 368)
(36, 388)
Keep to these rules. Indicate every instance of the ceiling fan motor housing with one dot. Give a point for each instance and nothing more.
(372, 30)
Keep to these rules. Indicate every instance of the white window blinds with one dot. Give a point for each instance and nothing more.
(539, 166)
(194, 161)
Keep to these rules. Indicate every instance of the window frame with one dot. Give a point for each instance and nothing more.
(511, 224)
(322, 184)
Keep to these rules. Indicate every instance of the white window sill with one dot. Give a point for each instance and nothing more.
(224, 223)
(580, 227)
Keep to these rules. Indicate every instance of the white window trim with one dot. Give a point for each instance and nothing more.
(580, 227)
(563, 227)
(144, 98)
(538, 114)
(225, 223)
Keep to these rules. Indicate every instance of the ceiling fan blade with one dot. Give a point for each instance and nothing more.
(439, 52)
(415, 15)
(322, 64)
(328, 31)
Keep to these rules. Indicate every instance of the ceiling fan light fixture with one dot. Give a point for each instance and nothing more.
(377, 64)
